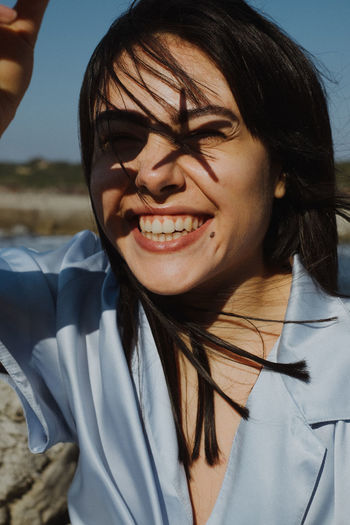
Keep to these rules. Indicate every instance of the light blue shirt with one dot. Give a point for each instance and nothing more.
(59, 340)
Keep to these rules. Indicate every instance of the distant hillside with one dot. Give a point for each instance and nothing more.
(64, 177)
(343, 175)
(39, 174)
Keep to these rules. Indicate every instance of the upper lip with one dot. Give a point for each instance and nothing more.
(163, 210)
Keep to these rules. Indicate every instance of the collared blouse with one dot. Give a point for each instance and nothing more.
(59, 341)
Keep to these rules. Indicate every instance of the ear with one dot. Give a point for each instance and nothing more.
(280, 187)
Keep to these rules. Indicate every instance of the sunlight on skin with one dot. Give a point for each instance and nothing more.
(237, 198)
(7, 15)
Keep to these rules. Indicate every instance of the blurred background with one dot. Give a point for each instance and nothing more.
(39, 153)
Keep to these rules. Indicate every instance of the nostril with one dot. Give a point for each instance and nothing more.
(159, 182)
(169, 188)
(158, 191)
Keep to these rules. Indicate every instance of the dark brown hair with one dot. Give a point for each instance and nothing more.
(282, 101)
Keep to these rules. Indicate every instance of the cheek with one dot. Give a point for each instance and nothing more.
(107, 187)
(246, 194)
(107, 203)
(246, 185)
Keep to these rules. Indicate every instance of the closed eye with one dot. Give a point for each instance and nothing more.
(209, 134)
(200, 139)
(206, 137)
(118, 140)
(125, 146)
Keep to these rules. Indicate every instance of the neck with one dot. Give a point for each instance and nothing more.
(244, 315)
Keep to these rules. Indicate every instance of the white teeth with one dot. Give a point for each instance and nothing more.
(156, 226)
(162, 237)
(168, 226)
(188, 224)
(179, 225)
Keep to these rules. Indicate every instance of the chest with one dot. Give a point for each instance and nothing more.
(206, 481)
(275, 468)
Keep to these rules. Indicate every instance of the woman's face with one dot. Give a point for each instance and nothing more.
(190, 210)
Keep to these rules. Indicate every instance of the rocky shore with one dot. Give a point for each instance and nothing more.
(33, 488)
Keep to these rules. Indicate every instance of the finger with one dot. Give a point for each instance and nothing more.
(7, 15)
(29, 16)
(31, 9)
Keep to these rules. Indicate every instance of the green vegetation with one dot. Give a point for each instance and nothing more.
(343, 175)
(39, 174)
(64, 177)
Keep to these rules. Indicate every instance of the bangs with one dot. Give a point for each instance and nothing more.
(149, 56)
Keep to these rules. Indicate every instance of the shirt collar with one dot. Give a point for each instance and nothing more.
(325, 346)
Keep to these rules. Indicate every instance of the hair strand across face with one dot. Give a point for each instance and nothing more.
(283, 104)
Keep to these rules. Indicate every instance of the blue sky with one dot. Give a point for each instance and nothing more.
(46, 122)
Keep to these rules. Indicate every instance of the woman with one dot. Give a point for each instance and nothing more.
(208, 156)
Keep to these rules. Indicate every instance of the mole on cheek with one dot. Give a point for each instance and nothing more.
(212, 235)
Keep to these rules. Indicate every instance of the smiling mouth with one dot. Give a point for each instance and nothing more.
(163, 228)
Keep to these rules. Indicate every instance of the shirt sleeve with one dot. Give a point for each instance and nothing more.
(29, 284)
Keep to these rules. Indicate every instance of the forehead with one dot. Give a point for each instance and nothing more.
(147, 84)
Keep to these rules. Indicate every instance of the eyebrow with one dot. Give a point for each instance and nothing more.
(177, 118)
(188, 114)
(123, 115)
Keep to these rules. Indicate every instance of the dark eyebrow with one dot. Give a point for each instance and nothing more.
(187, 114)
(182, 117)
(122, 114)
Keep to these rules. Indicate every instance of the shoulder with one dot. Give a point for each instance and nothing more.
(31, 282)
(82, 250)
(23, 265)
(324, 343)
(49, 304)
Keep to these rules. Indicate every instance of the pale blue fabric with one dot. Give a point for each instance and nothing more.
(289, 464)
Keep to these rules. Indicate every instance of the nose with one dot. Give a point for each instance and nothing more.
(158, 171)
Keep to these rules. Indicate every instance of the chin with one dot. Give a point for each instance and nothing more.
(160, 288)
(166, 285)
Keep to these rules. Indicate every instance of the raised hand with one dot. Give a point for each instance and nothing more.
(19, 29)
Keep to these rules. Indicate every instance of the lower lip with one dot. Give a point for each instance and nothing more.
(170, 246)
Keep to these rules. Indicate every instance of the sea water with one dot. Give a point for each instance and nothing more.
(36, 242)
